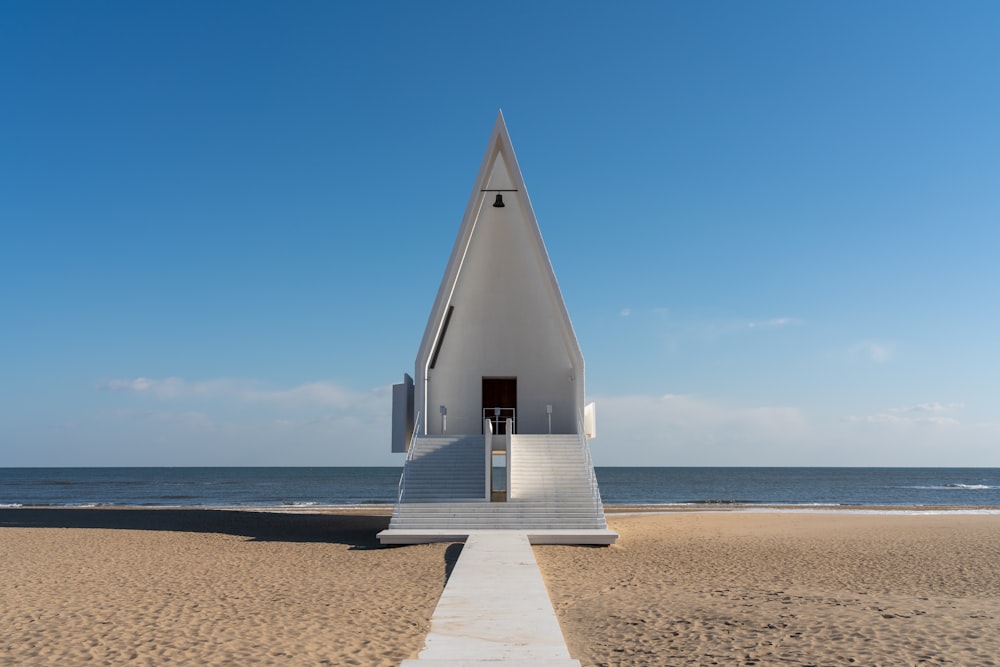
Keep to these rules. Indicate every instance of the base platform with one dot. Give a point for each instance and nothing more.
(594, 536)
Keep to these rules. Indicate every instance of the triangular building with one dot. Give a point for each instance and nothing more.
(493, 421)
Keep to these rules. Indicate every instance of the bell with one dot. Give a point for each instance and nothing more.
(499, 201)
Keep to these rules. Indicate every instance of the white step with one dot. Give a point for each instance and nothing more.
(445, 468)
(551, 488)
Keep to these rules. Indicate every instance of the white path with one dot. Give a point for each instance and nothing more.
(494, 609)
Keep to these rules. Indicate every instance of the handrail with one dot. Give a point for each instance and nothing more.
(509, 467)
(491, 415)
(413, 437)
(488, 443)
(401, 485)
(595, 491)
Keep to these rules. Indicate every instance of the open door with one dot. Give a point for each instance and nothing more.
(500, 402)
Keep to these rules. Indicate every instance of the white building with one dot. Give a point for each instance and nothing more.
(494, 421)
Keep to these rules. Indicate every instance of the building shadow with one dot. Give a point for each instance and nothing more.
(451, 555)
(358, 531)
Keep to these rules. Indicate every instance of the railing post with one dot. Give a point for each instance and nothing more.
(497, 414)
(507, 457)
(488, 437)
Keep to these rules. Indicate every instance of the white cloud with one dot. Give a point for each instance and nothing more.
(723, 328)
(686, 430)
(707, 330)
(167, 387)
(325, 394)
(775, 323)
(929, 408)
(921, 413)
(924, 434)
(322, 394)
(677, 429)
(242, 422)
(869, 350)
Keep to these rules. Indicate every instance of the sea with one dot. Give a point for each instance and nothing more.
(958, 489)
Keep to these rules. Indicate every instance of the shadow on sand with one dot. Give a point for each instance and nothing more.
(451, 555)
(354, 530)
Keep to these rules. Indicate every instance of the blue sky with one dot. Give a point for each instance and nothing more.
(775, 224)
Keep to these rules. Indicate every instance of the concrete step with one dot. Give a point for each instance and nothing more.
(445, 468)
(535, 536)
(406, 509)
(500, 522)
(478, 505)
(543, 518)
(540, 518)
(498, 525)
(550, 486)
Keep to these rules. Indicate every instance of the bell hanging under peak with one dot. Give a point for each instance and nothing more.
(498, 203)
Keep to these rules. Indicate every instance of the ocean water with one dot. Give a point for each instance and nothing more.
(284, 487)
(801, 486)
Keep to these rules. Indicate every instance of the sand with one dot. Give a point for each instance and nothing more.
(192, 587)
(782, 589)
(156, 587)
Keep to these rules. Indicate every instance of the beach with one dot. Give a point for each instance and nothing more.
(165, 586)
(209, 587)
(775, 588)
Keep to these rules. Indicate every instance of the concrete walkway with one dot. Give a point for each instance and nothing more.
(495, 608)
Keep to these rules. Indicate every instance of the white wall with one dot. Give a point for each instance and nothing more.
(506, 323)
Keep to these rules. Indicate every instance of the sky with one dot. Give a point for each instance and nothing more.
(774, 224)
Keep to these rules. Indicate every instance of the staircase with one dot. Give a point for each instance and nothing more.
(445, 468)
(553, 495)
(555, 470)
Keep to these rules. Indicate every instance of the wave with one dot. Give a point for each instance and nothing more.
(720, 501)
(955, 486)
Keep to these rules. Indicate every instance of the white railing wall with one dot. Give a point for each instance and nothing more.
(488, 443)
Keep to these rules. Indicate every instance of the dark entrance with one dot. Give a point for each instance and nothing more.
(500, 402)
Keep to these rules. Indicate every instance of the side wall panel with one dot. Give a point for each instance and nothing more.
(402, 414)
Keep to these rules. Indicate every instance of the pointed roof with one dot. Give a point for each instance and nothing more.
(499, 170)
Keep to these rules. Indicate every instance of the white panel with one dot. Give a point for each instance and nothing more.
(402, 415)
(590, 420)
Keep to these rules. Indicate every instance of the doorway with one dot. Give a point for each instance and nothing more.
(500, 402)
